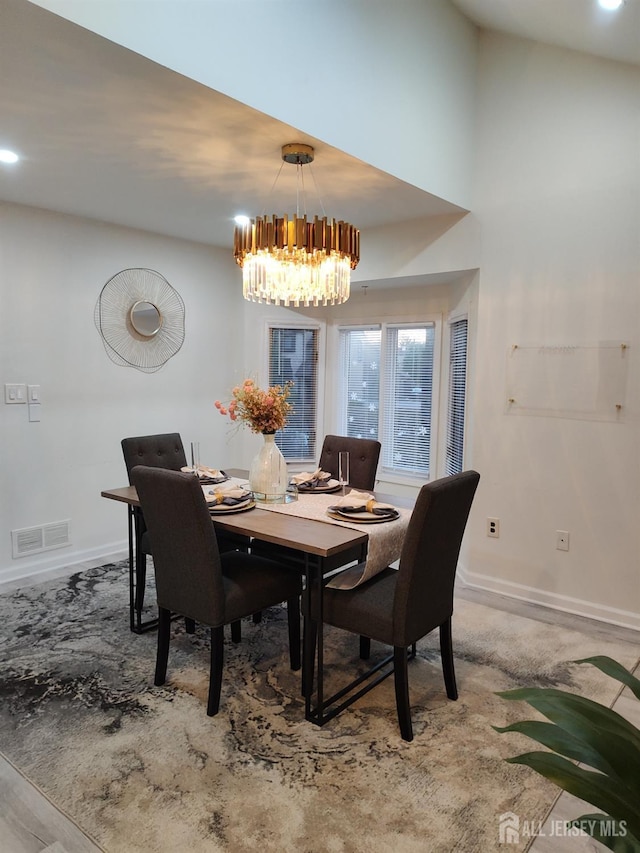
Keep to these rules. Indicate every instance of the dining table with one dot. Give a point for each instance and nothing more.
(320, 545)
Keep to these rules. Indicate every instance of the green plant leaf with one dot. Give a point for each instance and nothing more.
(594, 788)
(588, 744)
(611, 833)
(614, 669)
(566, 709)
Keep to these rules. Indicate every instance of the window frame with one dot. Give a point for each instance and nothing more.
(320, 328)
(452, 320)
(388, 473)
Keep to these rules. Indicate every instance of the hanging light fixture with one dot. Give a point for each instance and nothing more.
(287, 260)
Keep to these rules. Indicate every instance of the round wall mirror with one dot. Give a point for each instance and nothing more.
(140, 318)
(145, 318)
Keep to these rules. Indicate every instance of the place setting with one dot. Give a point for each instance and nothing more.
(362, 508)
(207, 476)
(228, 498)
(318, 481)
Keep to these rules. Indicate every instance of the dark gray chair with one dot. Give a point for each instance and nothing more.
(398, 607)
(364, 454)
(195, 580)
(164, 450)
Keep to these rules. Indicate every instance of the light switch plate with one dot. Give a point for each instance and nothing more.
(15, 393)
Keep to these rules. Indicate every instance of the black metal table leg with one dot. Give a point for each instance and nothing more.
(135, 574)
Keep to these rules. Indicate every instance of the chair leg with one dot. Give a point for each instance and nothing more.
(446, 653)
(401, 679)
(257, 617)
(236, 631)
(293, 618)
(365, 648)
(215, 674)
(189, 625)
(162, 656)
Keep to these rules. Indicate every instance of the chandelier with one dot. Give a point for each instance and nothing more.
(292, 261)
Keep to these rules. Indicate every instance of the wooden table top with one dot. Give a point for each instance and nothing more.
(312, 537)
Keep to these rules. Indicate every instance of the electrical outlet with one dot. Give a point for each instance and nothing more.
(562, 540)
(493, 527)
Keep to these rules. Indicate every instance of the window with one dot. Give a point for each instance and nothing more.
(457, 394)
(386, 392)
(293, 356)
(360, 381)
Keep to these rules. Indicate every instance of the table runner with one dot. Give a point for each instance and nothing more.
(385, 538)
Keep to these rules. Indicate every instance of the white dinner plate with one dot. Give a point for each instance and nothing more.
(361, 517)
(331, 486)
(225, 509)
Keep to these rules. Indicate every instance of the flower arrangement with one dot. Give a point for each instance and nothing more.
(262, 410)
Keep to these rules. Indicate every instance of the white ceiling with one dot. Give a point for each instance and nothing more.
(107, 134)
(575, 24)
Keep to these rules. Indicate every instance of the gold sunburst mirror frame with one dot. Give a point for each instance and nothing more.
(140, 318)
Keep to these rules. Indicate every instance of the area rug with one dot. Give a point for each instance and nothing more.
(142, 768)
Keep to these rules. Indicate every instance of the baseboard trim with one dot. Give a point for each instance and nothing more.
(563, 603)
(35, 571)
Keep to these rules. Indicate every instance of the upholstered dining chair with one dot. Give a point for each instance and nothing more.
(400, 606)
(164, 450)
(364, 454)
(195, 580)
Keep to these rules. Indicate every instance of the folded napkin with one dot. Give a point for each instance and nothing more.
(227, 494)
(204, 472)
(363, 502)
(318, 478)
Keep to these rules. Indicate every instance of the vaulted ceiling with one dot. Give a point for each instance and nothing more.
(110, 135)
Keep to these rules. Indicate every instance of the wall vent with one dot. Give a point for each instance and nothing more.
(34, 540)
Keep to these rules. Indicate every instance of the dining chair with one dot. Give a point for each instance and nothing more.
(364, 454)
(400, 606)
(196, 581)
(164, 450)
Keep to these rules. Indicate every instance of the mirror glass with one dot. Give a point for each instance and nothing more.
(145, 318)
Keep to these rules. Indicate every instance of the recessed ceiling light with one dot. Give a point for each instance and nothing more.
(611, 5)
(8, 156)
(241, 220)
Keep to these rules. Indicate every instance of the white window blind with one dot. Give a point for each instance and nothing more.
(457, 396)
(293, 356)
(359, 388)
(408, 383)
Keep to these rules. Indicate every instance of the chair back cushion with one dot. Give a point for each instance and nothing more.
(363, 459)
(424, 589)
(154, 451)
(185, 551)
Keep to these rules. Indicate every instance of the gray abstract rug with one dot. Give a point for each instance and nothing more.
(142, 768)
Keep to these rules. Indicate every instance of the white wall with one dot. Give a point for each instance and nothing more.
(52, 269)
(389, 83)
(558, 200)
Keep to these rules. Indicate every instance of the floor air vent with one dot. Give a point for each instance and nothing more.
(33, 540)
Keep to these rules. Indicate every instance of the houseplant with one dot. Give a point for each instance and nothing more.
(264, 411)
(606, 746)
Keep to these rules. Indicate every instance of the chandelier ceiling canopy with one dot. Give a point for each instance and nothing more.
(291, 260)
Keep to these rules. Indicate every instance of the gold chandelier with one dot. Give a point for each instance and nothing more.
(290, 261)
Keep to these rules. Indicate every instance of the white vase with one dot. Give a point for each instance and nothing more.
(268, 476)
